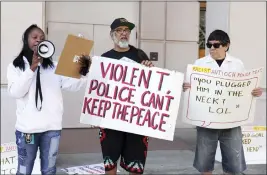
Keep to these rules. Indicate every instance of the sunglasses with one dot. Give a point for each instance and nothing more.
(215, 45)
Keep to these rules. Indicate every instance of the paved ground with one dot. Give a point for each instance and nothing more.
(164, 157)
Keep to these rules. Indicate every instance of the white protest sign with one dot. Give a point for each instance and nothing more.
(133, 98)
(220, 99)
(254, 145)
(86, 169)
(9, 159)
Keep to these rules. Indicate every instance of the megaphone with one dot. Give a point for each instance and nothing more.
(45, 49)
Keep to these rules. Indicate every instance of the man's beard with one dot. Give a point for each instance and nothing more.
(122, 44)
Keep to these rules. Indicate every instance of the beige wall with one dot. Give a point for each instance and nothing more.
(245, 22)
(247, 29)
(87, 18)
(171, 29)
(13, 24)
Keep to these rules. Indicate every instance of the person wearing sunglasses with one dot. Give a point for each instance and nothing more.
(233, 159)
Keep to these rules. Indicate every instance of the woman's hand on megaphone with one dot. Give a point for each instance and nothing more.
(35, 60)
(85, 62)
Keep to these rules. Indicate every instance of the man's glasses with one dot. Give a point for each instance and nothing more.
(215, 45)
(120, 31)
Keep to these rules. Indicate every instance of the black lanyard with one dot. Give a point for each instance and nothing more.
(38, 89)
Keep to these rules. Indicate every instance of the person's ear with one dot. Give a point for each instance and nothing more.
(111, 34)
(227, 47)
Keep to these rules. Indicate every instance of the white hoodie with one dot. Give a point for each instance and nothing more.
(22, 86)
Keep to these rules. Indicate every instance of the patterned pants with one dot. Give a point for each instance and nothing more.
(132, 149)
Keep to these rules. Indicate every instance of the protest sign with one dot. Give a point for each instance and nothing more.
(220, 99)
(254, 145)
(86, 169)
(9, 159)
(130, 97)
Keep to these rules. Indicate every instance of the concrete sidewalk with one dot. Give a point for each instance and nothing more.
(158, 162)
(163, 158)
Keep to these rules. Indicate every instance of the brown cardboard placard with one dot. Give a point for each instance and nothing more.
(74, 47)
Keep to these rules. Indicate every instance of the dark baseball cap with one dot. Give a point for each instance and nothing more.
(121, 22)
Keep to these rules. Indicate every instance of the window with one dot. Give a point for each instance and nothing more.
(202, 29)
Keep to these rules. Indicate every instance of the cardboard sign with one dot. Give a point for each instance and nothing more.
(86, 169)
(254, 145)
(68, 61)
(219, 99)
(130, 97)
(9, 159)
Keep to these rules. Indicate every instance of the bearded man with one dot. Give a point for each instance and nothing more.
(132, 148)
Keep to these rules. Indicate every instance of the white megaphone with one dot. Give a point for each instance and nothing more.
(45, 49)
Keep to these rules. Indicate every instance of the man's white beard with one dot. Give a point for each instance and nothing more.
(122, 44)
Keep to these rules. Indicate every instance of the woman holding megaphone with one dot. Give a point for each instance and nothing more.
(37, 90)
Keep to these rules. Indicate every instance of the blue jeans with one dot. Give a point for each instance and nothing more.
(47, 142)
(233, 158)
